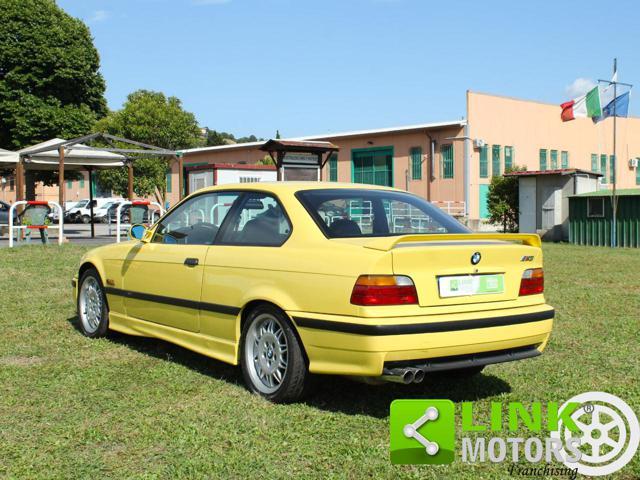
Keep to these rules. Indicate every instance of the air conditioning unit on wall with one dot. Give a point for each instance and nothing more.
(633, 163)
(478, 143)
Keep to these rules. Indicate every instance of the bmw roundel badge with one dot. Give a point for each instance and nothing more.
(475, 258)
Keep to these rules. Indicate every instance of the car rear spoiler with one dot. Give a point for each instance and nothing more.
(388, 243)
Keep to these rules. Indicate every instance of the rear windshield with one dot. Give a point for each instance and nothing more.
(355, 212)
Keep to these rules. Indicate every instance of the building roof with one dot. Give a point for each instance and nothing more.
(621, 192)
(557, 171)
(353, 133)
(298, 146)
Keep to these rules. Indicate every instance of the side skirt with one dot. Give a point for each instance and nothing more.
(211, 347)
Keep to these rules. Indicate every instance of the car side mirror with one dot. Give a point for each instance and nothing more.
(137, 232)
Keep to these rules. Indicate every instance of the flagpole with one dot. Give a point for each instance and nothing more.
(614, 198)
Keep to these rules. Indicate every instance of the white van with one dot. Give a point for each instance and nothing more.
(81, 212)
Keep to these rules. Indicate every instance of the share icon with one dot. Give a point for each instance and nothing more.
(410, 430)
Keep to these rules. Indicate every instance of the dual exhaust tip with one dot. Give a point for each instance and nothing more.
(404, 375)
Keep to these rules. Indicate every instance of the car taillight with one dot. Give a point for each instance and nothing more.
(532, 282)
(384, 290)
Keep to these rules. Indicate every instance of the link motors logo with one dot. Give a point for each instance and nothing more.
(593, 434)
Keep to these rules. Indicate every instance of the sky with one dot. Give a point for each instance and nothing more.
(308, 67)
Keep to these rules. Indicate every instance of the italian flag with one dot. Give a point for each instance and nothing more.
(587, 105)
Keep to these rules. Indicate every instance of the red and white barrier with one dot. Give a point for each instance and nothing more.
(135, 203)
(13, 227)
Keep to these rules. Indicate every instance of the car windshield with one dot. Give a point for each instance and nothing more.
(355, 212)
(81, 204)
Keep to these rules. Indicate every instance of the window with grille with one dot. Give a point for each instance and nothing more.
(594, 163)
(446, 152)
(612, 167)
(495, 161)
(603, 168)
(373, 166)
(416, 163)
(508, 158)
(554, 159)
(543, 159)
(484, 162)
(564, 159)
(333, 167)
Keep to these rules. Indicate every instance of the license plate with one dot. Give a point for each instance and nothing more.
(464, 285)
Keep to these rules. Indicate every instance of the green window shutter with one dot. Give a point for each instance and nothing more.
(543, 159)
(603, 168)
(446, 152)
(373, 166)
(484, 161)
(554, 159)
(333, 167)
(69, 183)
(594, 162)
(508, 158)
(638, 175)
(495, 161)
(416, 163)
(612, 167)
(168, 181)
(564, 159)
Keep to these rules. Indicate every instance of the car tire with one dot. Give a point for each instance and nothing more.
(93, 312)
(271, 357)
(85, 219)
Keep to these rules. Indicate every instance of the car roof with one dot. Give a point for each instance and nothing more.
(277, 187)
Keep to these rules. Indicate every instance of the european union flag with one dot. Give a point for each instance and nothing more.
(621, 103)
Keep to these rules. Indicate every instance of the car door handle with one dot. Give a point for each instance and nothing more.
(191, 262)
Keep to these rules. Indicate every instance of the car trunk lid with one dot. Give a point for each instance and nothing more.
(457, 269)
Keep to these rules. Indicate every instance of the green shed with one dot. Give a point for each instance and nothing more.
(591, 214)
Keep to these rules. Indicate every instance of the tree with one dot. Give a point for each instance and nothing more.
(215, 138)
(277, 134)
(50, 84)
(148, 117)
(266, 160)
(503, 201)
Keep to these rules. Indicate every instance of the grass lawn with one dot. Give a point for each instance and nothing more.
(71, 407)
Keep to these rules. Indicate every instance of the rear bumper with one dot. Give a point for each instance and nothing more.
(362, 346)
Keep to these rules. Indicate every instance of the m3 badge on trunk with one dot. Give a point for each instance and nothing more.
(475, 258)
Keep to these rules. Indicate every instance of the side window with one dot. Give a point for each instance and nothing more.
(196, 221)
(259, 220)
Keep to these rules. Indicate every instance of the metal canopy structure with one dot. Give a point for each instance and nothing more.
(278, 150)
(59, 154)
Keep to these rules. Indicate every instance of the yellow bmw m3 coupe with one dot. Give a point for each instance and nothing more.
(290, 279)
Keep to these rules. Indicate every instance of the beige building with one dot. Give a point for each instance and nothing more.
(451, 163)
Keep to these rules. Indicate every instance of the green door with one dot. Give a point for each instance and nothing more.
(484, 197)
(373, 166)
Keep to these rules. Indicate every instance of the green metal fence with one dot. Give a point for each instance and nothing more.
(590, 219)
